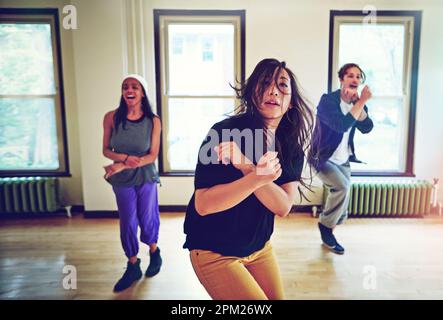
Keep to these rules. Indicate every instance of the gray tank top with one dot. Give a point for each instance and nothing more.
(134, 140)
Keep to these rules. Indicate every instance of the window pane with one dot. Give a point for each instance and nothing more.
(189, 121)
(379, 50)
(28, 138)
(200, 59)
(383, 149)
(26, 62)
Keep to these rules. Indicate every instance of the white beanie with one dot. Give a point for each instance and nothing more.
(140, 79)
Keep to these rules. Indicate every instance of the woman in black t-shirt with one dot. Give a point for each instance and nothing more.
(248, 171)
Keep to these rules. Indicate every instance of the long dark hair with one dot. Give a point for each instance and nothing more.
(122, 110)
(295, 128)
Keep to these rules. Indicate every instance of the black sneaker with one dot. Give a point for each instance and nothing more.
(154, 264)
(132, 274)
(329, 240)
(338, 249)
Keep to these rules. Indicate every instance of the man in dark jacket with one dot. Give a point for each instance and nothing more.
(338, 115)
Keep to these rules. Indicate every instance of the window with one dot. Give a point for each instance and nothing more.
(32, 133)
(387, 51)
(198, 55)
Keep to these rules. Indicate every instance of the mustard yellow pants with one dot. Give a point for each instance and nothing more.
(255, 277)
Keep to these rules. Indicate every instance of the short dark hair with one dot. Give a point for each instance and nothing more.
(344, 69)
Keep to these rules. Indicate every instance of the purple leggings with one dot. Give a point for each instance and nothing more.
(137, 206)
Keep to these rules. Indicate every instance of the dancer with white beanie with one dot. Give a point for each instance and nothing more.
(132, 140)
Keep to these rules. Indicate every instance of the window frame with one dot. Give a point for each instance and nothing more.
(51, 16)
(161, 64)
(415, 16)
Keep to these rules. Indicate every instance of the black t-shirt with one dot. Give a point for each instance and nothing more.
(246, 227)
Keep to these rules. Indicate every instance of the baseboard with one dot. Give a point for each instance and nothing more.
(36, 215)
(386, 216)
(303, 208)
(78, 208)
(319, 209)
(96, 214)
(114, 214)
(173, 208)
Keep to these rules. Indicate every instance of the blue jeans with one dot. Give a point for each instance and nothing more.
(338, 179)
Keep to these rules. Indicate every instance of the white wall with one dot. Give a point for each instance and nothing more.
(297, 31)
(99, 64)
(428, 155)
(71, 188)
(294, 30)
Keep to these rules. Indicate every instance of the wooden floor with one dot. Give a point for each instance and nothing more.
(385, 259)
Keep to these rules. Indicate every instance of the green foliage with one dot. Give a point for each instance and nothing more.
(28, 137)
(26, 60)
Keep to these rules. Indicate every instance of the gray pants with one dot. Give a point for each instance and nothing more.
(338, 179)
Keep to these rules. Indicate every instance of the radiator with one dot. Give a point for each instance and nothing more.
(28, 195)
(397, 198)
